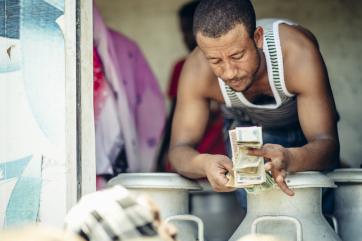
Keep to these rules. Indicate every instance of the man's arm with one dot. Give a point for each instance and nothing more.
(316, 108)
(306, 77)
(189, 123)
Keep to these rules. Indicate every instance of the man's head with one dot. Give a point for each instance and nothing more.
(186, 16)
(214, 18)
(225, 32)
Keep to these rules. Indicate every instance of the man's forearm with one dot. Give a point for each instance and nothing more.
(187, 161)
(318, 155)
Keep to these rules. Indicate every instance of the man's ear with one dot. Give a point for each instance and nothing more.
(259, 37)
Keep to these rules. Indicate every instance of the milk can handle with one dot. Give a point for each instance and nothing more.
(298, 226)
(334, 222)
(188, 217)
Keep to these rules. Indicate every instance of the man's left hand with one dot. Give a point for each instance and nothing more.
(278, 159)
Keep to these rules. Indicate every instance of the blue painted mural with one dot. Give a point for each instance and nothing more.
(32, 105)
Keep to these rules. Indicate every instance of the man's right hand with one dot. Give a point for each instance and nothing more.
(216, 167)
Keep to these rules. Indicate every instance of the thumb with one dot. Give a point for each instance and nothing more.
(228, 165)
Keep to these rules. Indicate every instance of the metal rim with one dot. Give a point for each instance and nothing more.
(346, 175)
(309, 179)
(154, 180)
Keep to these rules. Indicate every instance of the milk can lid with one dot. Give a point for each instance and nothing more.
(346, 175)
(309, 179)
(154, 180)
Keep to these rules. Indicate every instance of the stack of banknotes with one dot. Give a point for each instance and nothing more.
(248, 171)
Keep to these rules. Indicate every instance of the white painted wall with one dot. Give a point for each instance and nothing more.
(337, 25)
(153, 24)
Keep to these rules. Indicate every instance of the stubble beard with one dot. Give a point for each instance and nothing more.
(254, 76)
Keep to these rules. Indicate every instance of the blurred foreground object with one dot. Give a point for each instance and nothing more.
(114, 214)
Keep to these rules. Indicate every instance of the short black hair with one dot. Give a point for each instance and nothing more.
(214, 18)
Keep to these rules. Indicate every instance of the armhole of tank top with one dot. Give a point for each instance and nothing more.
(277, 97)
(224, 94)
(280, 55)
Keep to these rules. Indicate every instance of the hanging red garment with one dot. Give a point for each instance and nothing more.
(99, 84)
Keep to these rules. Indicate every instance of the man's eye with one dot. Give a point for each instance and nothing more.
(236, 57)
(214, 61)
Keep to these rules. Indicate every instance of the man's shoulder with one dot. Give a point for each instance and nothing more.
(301, 55)
(297, 37)
(293, 37)
(197, 58)
(197, 64)
(197, 74)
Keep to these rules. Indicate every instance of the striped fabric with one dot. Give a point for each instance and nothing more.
(281, 113)
(111, 215)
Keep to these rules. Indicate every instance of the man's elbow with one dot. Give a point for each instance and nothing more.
(175, 154)
(171, 158)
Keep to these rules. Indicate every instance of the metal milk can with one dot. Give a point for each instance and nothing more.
(296, 218)
(170, 192)
(220, 211)
(348, 202)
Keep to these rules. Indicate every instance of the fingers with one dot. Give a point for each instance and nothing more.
(216, 171)
(268, 166)
(219, 184)
(267, 151)
(256, 152)
(280, 180)
(279, 177)
(228, 165)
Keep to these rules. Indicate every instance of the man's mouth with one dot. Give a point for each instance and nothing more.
(235, 82)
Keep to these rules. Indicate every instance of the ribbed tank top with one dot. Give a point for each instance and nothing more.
(281, 113)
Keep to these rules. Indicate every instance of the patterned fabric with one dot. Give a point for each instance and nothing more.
(110, 215)
(279, 114)
(146, 101)
(108, 132)
(140, 105)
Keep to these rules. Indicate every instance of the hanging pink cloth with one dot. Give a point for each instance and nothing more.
(108, 131)
(140, 103)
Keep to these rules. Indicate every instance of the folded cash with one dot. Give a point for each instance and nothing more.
(248, 171)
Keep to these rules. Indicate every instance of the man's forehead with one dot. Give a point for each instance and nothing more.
(234, 39)
(238, 28)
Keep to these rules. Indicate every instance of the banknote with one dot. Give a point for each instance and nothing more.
(248, 171)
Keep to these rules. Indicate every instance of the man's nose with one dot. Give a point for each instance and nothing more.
(229, 72)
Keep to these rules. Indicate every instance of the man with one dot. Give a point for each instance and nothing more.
(271, 75)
